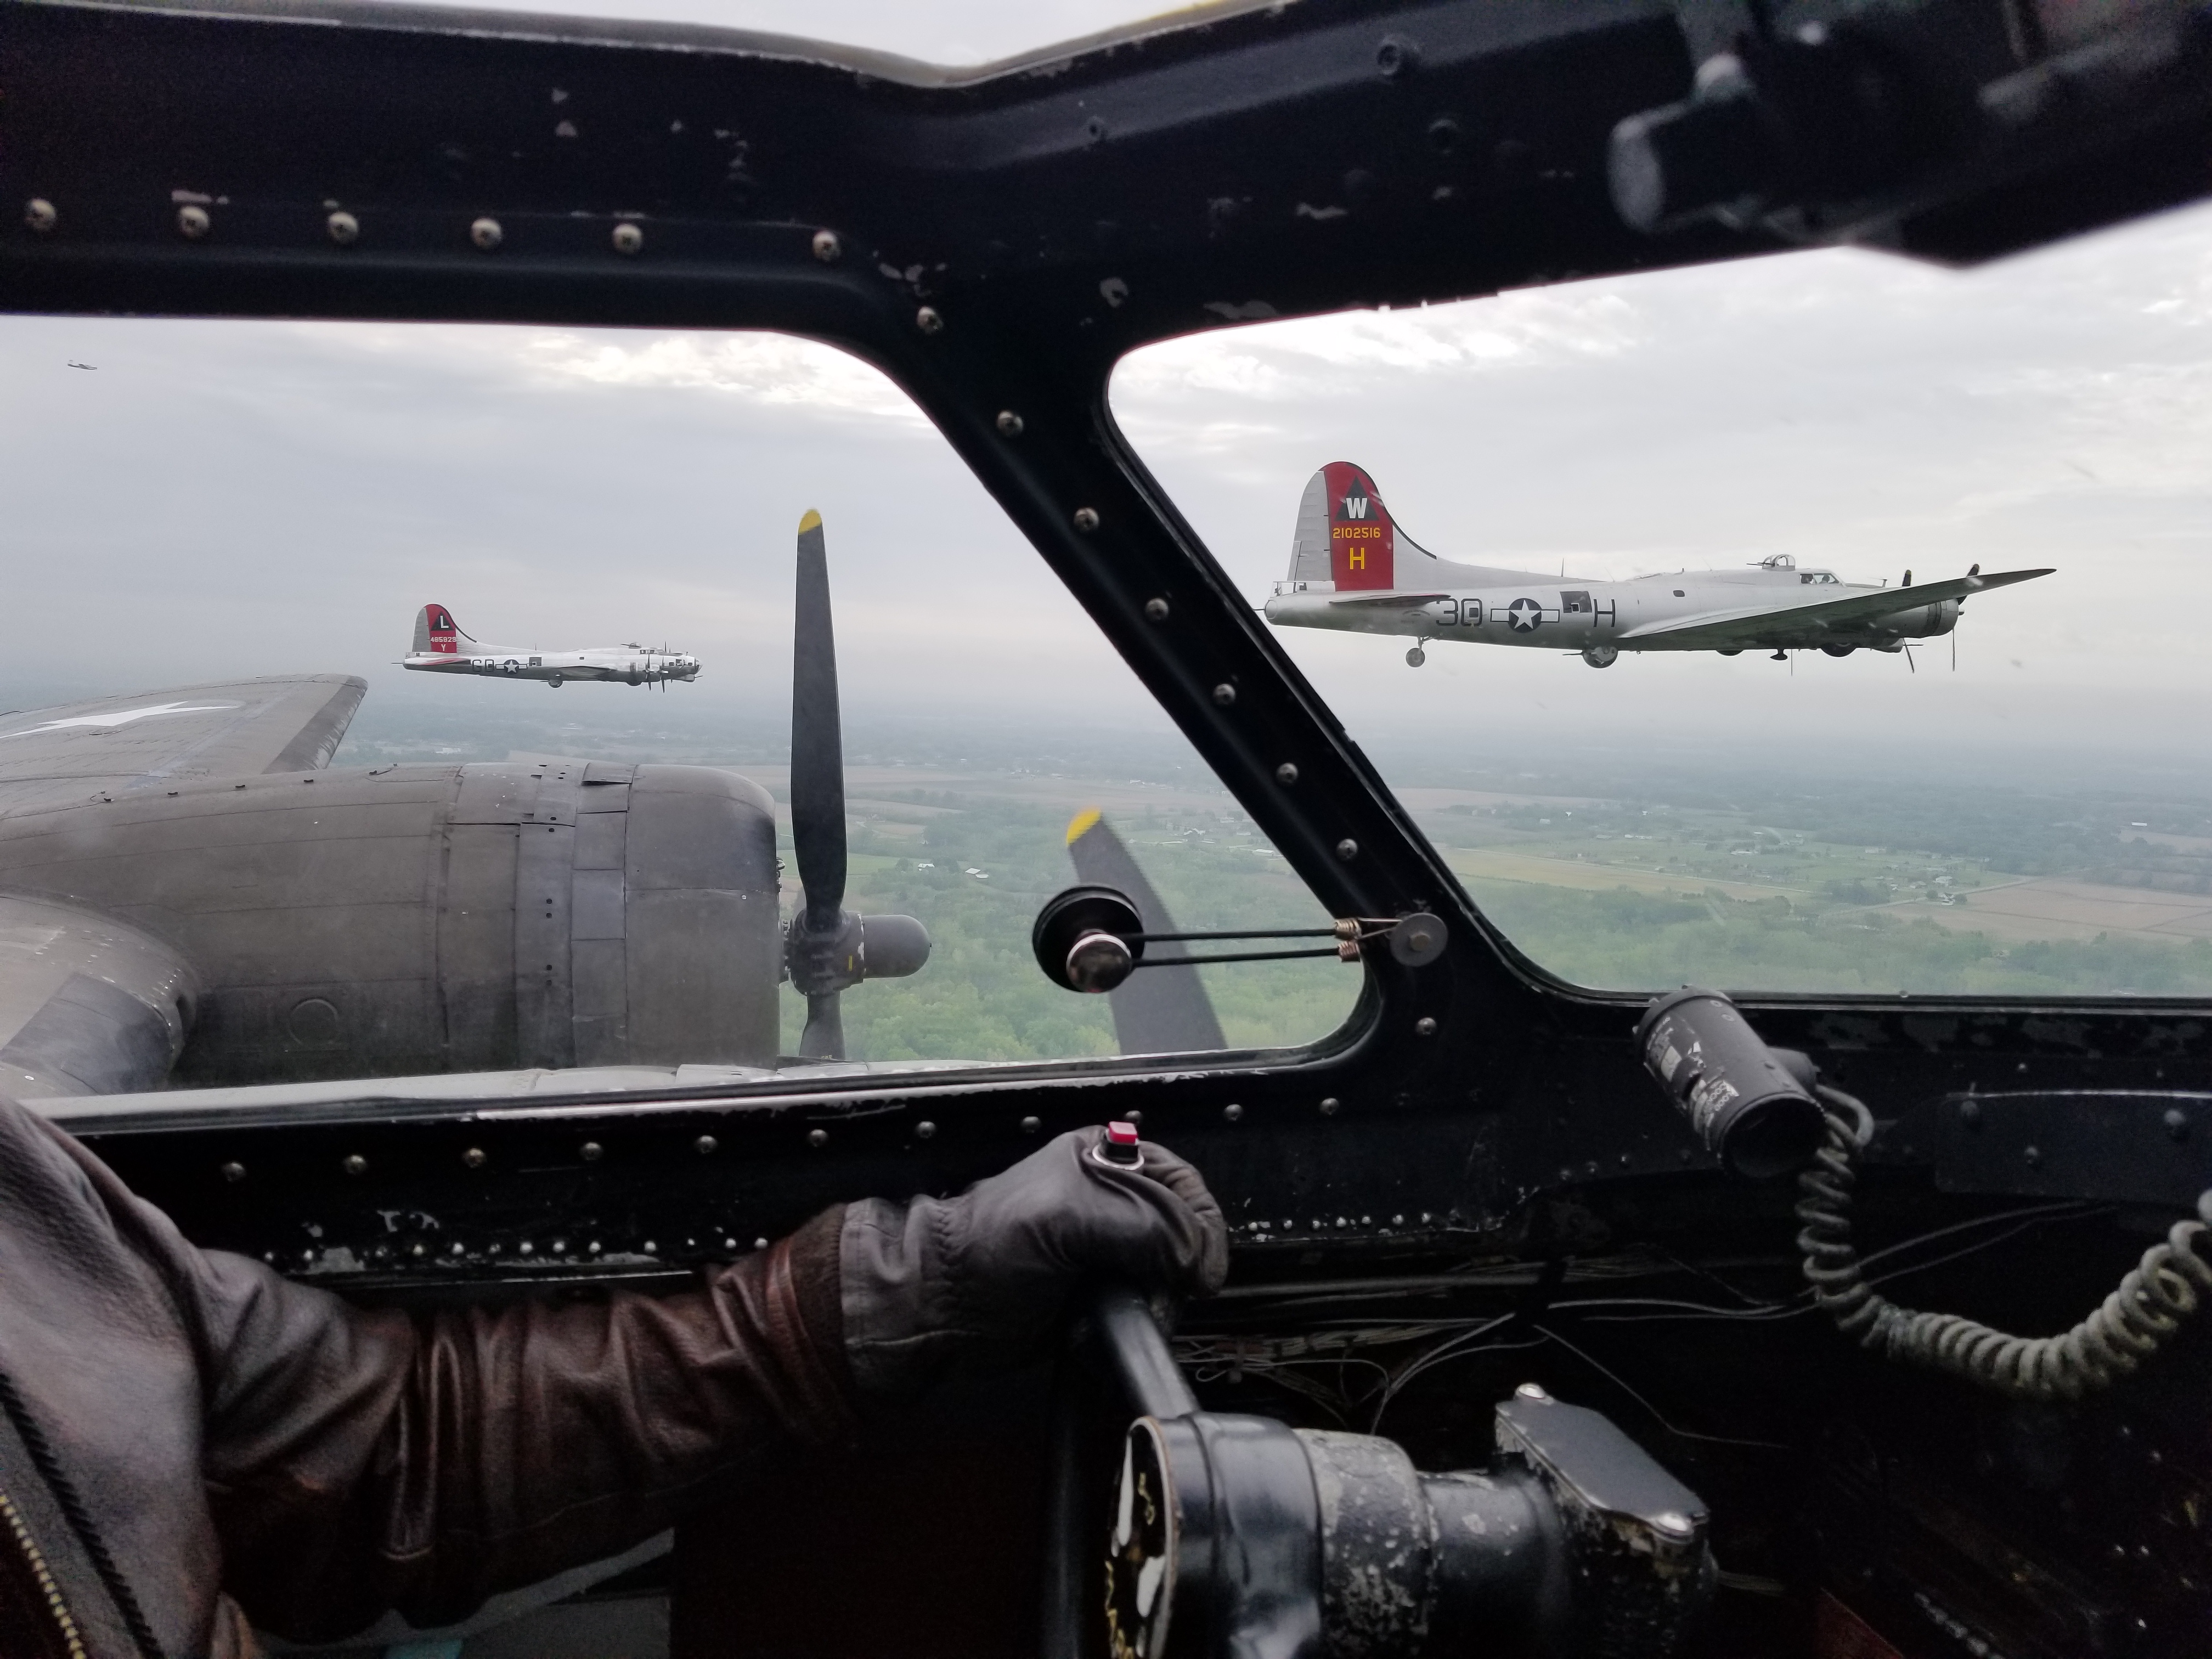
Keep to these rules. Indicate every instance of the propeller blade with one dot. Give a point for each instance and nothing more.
(824, 1035)
(817, 743)
(1162, 1011)
(827, 947)
(817, 794)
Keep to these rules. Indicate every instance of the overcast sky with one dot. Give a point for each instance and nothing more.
(216, 496)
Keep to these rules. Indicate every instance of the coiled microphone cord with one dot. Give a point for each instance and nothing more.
(2133, 1323)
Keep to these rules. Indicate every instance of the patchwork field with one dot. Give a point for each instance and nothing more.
(1747, 883)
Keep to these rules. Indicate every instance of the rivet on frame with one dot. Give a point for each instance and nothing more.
(591, 1151)
(1086, 520)
(1234, 1114)
(344, 229)
(924, 1130)
(192, 221)
(1347, 850)
(827, 247)
(627, 238)
(474, 1157)
(1224, 694)
(233, 1171)
(1010, 424)
(1425, 1026)
(40, 214)
(705, 1145)
(818, 1137)
(1287, 774)
(1329, 1107)
(356, 1164)
(486, 235)
(929, 320)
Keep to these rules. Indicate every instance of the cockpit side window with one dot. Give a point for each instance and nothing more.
(572, 851)
(1934, 766)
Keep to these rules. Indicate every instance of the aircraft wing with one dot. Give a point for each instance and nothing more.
(78, 752)
(1755, 625)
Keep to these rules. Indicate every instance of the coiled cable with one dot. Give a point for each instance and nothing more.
(2130, 1327)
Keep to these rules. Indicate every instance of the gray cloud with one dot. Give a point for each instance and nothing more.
(286, 495)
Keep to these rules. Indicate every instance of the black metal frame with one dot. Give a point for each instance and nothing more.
(996, 241)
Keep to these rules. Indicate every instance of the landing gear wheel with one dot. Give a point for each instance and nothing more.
(1601, 656)
(553, 680)
(1729, 651)
(1839, 650)
(1416, 657)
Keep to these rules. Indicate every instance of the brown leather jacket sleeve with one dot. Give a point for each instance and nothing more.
(360, 1460)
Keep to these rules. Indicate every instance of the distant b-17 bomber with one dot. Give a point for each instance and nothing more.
(440, 647)
(1353, 569)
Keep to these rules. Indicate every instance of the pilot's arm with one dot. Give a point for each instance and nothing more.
(357, 1461)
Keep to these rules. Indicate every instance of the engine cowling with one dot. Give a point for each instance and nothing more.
(1920, 622)
(423, 919)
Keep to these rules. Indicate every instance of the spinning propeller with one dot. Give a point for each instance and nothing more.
(827, 948)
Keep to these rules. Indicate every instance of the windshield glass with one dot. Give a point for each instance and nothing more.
(557, 831)
(1653, 737)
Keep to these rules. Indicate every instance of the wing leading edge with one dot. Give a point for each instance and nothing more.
(72, 752)
(1756, 625)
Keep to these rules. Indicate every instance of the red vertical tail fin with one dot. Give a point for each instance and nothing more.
(1363, 541)
(435, 633)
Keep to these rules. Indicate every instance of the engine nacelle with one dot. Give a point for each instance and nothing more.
(1920, 622)
(420, 919)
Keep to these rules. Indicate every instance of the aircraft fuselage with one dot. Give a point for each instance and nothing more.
(1560, 613)
(631, 664)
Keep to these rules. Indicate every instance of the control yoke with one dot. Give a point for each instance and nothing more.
(1209, 1535)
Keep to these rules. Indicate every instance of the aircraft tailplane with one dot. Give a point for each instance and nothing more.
(436, 634)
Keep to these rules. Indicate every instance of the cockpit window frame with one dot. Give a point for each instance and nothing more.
(852, 217)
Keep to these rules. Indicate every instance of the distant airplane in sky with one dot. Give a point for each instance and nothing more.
(1353, 569)
(440, 647)
(90, 366)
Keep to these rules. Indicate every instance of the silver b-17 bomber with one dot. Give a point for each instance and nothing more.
(1353, 569)
(440, 647)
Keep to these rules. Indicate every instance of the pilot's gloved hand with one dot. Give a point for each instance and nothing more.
(976, 1282)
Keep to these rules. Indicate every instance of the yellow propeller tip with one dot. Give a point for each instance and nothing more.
(1082, 824)
(811, 521)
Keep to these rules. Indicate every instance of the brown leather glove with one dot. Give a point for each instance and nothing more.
(978, 1281)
